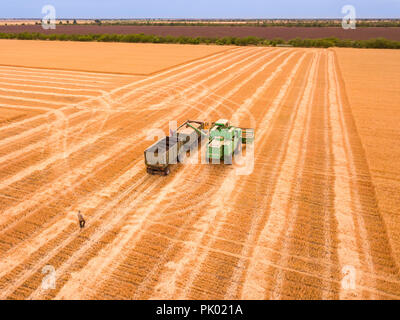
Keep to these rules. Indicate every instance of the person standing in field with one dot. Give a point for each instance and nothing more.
(82, 221)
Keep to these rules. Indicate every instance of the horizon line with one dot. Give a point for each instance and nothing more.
(226, 19)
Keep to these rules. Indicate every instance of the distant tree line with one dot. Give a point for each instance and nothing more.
(48, 21)
(236, 41)
(378, 43)
(296, 23)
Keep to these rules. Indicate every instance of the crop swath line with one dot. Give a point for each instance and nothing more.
(40, 101)
(61, 83)
(46, 76)
(75, 75)
(52, 88)
(54, 82)
(53, 94)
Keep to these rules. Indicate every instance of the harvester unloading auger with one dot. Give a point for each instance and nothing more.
(224, 141)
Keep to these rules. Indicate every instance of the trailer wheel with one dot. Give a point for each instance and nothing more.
(149, 171)
(166, 171)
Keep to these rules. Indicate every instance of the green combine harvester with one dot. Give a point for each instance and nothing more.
(226, 140)
(223, 142)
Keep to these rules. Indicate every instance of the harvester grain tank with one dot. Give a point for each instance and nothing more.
(226, 140)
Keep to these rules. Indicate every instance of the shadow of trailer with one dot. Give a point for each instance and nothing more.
(168, 150)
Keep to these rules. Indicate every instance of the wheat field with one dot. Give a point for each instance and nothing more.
(321, 200)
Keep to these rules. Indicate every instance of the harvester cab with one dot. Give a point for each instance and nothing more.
(221, 123)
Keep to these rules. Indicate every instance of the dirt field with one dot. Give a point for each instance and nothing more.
(285, 33)
(309, 214)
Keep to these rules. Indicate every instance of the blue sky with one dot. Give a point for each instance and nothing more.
(200, 8)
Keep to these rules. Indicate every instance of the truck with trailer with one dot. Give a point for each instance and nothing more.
(159, 156)
(224, 140)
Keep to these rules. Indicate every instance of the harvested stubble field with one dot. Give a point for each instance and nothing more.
(316, 203)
